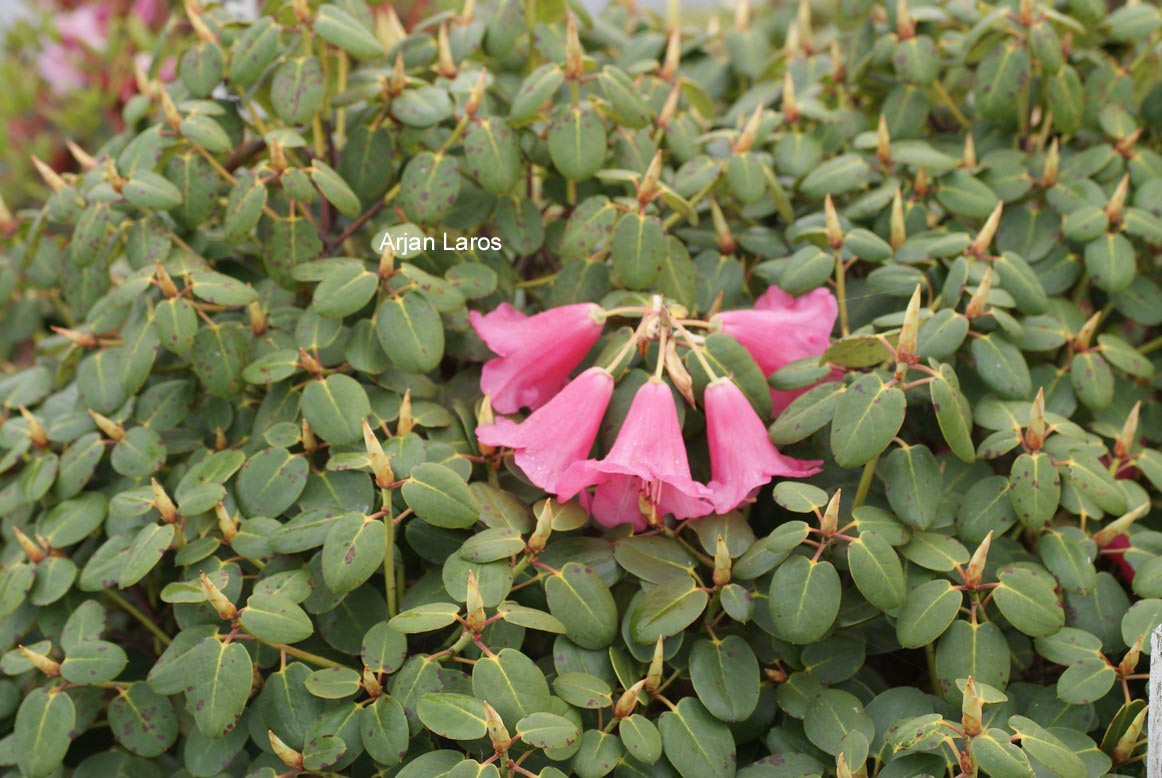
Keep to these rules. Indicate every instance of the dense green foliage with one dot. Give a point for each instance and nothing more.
(197, 325)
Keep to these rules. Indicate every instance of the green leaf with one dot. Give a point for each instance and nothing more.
(440, 497)
(492, 544)
(547, 730)
(867, 416)
(1035, 489)
(1029, 603)
(807, 413)
(836, 176)
(831, 716)
(353, 550)
(913, 483)
(410, 332)
(537, 87)
(455, 716)
(297, 89)
(583, 690)
(335, 25)
(41, 734)
(1086, 681)
(668, 608)
(581, 601)
(976, 649)
(148, 547)
(725, 675)
(804, 599)
(512, 684)
(276, 618)
(1110, 262)
(335, 408)
(1045, 748)
(927, 612)
(383, 728)
(857, 351)
(1000, 78)
(953, 413)
(270, 482)
(422, 107)
(218, 680)
(425, 618)
(1092, 380)
(146, 189)
(1002, 367)
(429, 187)
(334, 188)
(696, 743)
(576, 141)
(876, 570)
(93, 661)
(492, 154)
(143, 721)
(638, 247)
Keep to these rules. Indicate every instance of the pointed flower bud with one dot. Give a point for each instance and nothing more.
(975, 568)
(497, 732)
(227, 524)
(1119, 526)
(1129, 434)
(544, 528)
(309, 363)
(1085, 334)
(627, 702)
(803, 24)
(256, 316)
(979, 300)
(909, 332)
(679, 375)
(673, 54)
(647, 188)
(31, 550)
(1118, 199)
(883, 141)
(1035, 429)
(831, 219)
(110, 428)
(984, 238)
(164, 505)
(1052, 161)
(842, 769)
(971, 709)
(1129, 662)
(50, 176)
(905, 27)
(41, 662)
(76, 337)
(476, 96)
(371, 683)
(164, 281)
(302, 10)
(1128, 742)
(657, 667)
(969, 159)
(898, 230)
(790, 107)
(750, 131)
(574, 54)
(379, 464)
(406, 422)
(225, 609)
(670, 107)
(37, 434)
(288, 755)
(445, 62)
(829, 523)
(310, 443)
(725, 237)
(721, 562)
(194, 13)
(474, 604)
(173, 116)
(83, 158)
(742, 14)
(920, 182)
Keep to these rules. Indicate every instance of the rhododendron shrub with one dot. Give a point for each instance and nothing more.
(520, 392)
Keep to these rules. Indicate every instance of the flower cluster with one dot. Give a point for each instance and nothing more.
(645, 475)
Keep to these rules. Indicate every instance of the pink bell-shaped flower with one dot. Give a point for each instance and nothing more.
(558, 433)
(780, 329)
(645, 468)
(536, 353)
(742, 456)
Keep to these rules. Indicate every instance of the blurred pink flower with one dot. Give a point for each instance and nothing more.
(646, 465)
(558, 433)
(85, 25)
(536, 353)
(152, 12)
(58, 66)
(780, 329)
(742, 456)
